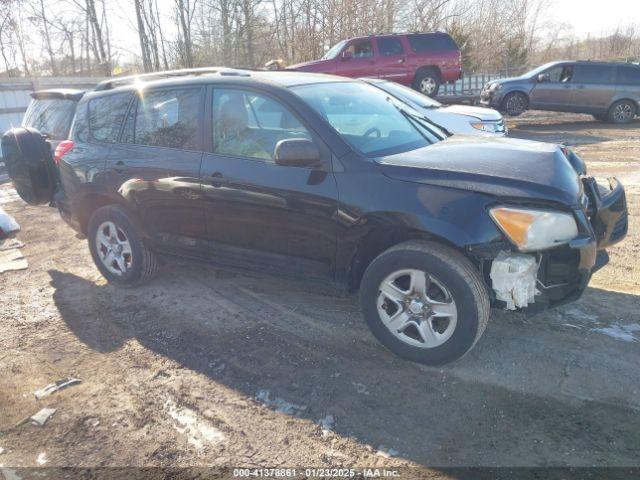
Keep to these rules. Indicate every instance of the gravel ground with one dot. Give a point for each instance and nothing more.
(212, 368)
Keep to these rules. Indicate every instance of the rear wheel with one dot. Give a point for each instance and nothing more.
(425, 302)
(622, 111)
(118, 249)
(427, 82)
(515, 103)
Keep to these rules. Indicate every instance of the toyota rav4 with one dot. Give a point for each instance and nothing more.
(329, 179)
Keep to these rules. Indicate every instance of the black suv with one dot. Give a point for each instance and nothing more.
(330, 179)
(608, 91)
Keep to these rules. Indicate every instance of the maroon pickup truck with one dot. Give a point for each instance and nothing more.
(420, 60)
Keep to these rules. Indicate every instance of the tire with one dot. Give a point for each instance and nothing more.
(114, 224)
(622, 112)
(427, 82)
(27, 156)
(514, 104)
(454, 284)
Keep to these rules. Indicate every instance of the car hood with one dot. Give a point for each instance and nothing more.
(501, 167)
(476, 112)
(303, 65)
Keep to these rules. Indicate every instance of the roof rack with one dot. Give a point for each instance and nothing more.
(128, 80)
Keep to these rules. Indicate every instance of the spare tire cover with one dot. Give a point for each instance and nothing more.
(27, 156)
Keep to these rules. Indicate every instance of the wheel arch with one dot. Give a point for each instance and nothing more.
(426, 68)
(625, 98)
(90, 202)
(380, 239)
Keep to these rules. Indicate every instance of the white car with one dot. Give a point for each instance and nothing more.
(453, 118)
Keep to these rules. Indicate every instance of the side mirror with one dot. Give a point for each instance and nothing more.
(543, 77)
(297, 152)
(347, 55)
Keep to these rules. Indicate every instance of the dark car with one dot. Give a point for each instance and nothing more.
(329, 179)
(420, 60)
(608, 91)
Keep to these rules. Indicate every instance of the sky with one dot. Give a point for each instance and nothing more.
(595, 17)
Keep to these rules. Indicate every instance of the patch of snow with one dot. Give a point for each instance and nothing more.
(579, 314)
(42, 459)
(198, 430)
(624, 333)
(386, 452)
(327, 423)
(9, 474)
(572, 326)
(279, 404)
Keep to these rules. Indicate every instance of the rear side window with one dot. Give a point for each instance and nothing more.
(106, 115)
(165, 118)
(389, 46)
(629, 75)
(431, 42)
(592, 74)
(51, 116)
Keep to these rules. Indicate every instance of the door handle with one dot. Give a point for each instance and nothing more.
(217, 179)
(120, 167)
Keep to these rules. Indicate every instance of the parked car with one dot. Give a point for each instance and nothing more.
(420, 60)
(327, 179)
(51, 112)
(453, 118)
(608, 91)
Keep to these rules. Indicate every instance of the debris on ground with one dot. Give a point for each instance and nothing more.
(10, 244)
(1, 450)
(11, 260)
(8, 224)
(42, 416)
(360, 388)
(279, 404)
(57, 386)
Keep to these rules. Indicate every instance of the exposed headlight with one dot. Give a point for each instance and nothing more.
(494, 87)
(535, 229)
(489, 127)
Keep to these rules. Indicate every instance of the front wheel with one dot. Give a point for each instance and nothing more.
(425, 302)
(515, 103)
(118, 249)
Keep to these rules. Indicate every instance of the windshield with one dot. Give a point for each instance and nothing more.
(408, 95)
(51, 116)
(334, 51)
(372, 121)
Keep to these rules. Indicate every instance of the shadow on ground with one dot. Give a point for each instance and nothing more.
(485, 410)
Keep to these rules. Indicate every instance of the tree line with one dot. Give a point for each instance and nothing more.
(73, 37)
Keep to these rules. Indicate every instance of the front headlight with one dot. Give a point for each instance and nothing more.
(535, 229)
(494, 87)
(488, 127)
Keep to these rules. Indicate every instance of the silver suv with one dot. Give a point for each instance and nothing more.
(608, 91)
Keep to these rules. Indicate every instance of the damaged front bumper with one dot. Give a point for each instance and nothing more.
(560, 275)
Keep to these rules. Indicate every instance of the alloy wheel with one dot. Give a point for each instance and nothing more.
(114, 248)
(417, 308)
(516, 105)
(428, 85)
(623, 113)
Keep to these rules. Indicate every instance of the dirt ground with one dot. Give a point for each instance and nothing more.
(206, 367)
